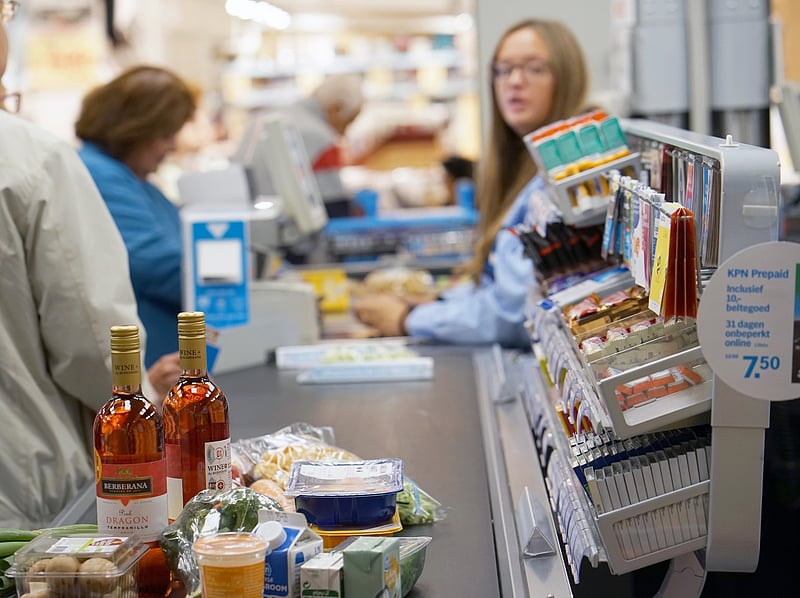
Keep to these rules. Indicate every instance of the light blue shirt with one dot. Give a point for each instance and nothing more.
(492, 312)
(151, 229)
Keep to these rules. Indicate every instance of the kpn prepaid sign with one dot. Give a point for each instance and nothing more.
(749, 321)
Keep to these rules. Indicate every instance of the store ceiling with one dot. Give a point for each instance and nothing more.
(376, 8)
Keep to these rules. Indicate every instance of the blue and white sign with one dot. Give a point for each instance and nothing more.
(749, 321)
(220, 272)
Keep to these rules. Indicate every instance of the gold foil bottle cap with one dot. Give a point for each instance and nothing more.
(124, 339)
(192, 324)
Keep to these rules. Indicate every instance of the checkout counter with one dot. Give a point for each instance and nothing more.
(460, 444)
(465, 437)
(433, 425)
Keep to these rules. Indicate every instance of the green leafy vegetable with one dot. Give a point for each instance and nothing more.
(417, 507)
(210, 511)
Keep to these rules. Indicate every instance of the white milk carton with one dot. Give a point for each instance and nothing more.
(291, 543)
(322, 576)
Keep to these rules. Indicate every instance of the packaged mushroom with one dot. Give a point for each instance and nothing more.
(78, 566)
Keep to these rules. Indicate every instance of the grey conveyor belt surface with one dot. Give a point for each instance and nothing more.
(433, 425)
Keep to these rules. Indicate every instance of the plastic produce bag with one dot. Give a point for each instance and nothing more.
(271, 456)
(209, 512)
(417, 507)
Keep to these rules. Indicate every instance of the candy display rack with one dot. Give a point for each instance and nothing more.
(710, 523)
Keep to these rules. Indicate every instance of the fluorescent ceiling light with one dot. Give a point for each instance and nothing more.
(258, 11)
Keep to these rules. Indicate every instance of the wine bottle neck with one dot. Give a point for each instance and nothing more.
(126, 389)
(192, 353)
(193, 372)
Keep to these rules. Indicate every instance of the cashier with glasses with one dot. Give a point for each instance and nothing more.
(539, 76)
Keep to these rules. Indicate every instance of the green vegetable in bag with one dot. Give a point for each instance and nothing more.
(417, 507)
(209, 512)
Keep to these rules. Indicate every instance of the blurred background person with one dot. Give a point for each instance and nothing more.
(64, 282)
(321, 120)
(458, 171)
(539, 76)
(200, 145)
(127, 127)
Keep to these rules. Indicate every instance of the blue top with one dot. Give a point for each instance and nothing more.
(151, 229)
(493, 311)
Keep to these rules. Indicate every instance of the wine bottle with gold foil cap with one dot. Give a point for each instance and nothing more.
(196, 425)
(130, 461)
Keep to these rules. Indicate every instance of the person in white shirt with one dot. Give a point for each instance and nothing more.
(63, 282)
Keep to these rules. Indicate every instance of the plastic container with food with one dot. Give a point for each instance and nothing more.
(412, 560)
(333, 536)
(78, 566)
(342, 493)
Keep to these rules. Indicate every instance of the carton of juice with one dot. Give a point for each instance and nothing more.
(322, 576)
(372, 568)
(291, 543)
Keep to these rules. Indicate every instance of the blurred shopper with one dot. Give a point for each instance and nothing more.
(200, 145)
(458, 171)
(321, 119)
(64, 282)
(539, 76)
(127, 127)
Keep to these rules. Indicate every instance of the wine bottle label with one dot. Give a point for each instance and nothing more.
(218, 465)
(126, 369)
(192, 352)
(132, 499)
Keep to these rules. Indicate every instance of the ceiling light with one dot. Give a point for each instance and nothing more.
(259, 12)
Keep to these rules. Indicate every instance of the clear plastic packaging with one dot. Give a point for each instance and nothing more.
(79, 565)
(271, 456)
(346, 492)
(412, 560)
(326, 353)
(643, 346)
(377, 370)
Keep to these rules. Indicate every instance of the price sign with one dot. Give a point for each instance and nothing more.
(749, 321)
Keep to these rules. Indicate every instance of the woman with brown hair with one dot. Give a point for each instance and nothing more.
(539, 76)
(127, 127)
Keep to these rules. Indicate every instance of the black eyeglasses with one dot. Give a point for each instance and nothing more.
(531, 69)
(10, 102)
(8, 8)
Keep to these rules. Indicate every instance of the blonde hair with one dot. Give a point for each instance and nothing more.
(506, 166)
